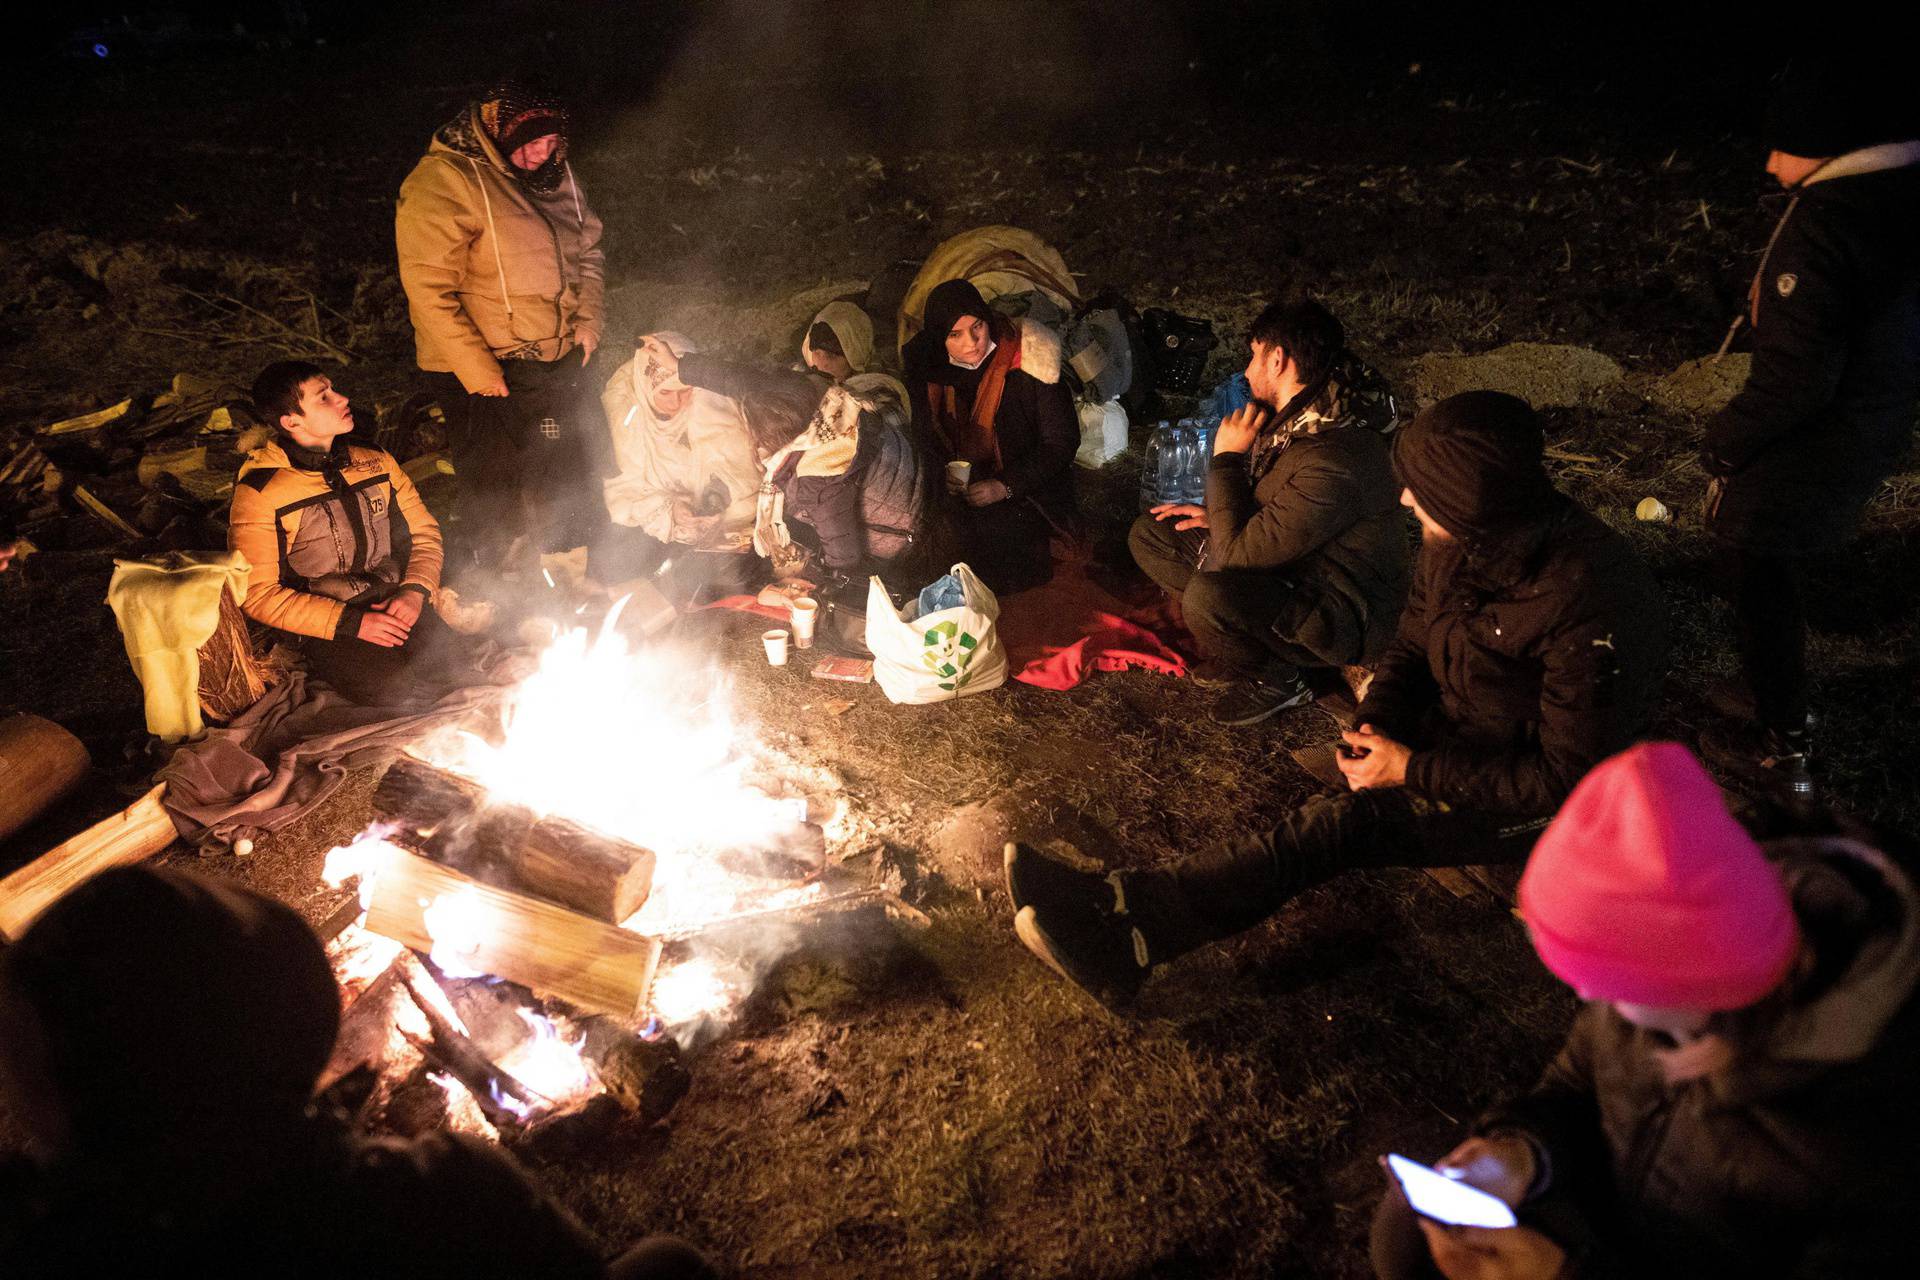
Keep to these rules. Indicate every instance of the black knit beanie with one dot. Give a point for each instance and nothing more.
(1474, 463)
(1828, 105)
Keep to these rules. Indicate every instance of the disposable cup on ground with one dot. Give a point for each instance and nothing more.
(1653, 511)
(804, 612)
(776, 643)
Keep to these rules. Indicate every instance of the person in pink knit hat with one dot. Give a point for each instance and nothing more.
(1735, 1097)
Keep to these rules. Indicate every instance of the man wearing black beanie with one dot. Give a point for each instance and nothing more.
(1531, 648)
(1828, 409)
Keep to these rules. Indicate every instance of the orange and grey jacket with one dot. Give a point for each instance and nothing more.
(329, 534)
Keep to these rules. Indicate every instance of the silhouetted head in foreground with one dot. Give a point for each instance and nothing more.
(148, 1007)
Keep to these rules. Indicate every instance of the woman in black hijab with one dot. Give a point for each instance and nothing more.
(986, 391)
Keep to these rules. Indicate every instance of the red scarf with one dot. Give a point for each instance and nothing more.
(973, 437)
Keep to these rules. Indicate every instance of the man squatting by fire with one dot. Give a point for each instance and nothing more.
(1532, 646)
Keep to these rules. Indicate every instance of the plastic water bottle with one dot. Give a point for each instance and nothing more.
(1150, 466)
(1167, 482)
(1194, 488)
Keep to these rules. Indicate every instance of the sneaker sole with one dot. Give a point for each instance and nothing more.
(1032, 935)
(1301, 699)
(1008, 854)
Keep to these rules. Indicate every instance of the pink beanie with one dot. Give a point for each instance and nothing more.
(1645, 890)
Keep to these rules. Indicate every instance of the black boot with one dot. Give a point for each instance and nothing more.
(1078, 923)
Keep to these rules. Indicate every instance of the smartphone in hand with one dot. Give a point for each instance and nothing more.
(1448, 1200)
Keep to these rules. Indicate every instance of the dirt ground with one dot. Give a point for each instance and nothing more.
(933, 1103)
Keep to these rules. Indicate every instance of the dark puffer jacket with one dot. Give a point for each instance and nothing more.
(1828, 410)
(867, 515)
(1326, 513)
(1795, 1161)
(1534, 641)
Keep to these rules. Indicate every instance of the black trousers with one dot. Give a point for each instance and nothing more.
(1768, 592)
(1229, 889)
(435, 660)
(1231, 612)
(620, 553)
(529, 462)
(1009, 544)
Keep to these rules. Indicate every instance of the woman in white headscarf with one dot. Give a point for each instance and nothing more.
(682, 502)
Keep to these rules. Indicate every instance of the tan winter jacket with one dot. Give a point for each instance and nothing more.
(491, 269)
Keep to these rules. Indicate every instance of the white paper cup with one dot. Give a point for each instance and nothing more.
(804, 611)
(959, 473)
(1653, 511)
(776, 642)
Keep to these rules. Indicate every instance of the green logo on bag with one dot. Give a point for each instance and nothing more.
(947, 652)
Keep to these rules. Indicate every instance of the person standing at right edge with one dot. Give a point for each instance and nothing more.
(501, 261)
(1828, 409)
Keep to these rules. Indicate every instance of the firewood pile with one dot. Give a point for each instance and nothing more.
(155, 471)
(502, 979)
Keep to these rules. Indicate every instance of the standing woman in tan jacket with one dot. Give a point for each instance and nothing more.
(501, 261)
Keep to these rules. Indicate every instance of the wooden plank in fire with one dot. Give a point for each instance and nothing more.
(588, 963)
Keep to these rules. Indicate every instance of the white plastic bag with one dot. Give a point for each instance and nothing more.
(1103, 434)
(942, 656)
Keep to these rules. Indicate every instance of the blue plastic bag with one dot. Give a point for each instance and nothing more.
(941, 593)
(1232, 394)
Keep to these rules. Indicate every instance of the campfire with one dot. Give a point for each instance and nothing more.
(554, 900)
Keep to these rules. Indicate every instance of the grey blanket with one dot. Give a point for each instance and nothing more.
(290, 751)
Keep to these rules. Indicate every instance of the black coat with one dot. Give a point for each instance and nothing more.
(1796, 1161)
(1512, 675)
(1327, 515)
(1037, 428)
(314, 1203)
(1828, 410)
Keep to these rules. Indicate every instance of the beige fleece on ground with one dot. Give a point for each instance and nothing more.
(167, 610)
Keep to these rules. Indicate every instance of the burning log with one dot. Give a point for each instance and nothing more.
(586, 962)
(452, 1051)
(453, 822)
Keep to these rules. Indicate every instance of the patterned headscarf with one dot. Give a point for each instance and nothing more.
(511, 115)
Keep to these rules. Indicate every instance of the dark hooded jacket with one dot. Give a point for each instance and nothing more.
(1827, 412)
(178, 1025)
(1036, 426)
(1315, 500)
(1533, 643)
(1794, 1161)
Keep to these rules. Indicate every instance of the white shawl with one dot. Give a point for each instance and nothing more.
(664, 459)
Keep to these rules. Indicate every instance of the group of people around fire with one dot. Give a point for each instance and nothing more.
(1732, 1096)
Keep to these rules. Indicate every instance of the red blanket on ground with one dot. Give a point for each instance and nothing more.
(1058, 634)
